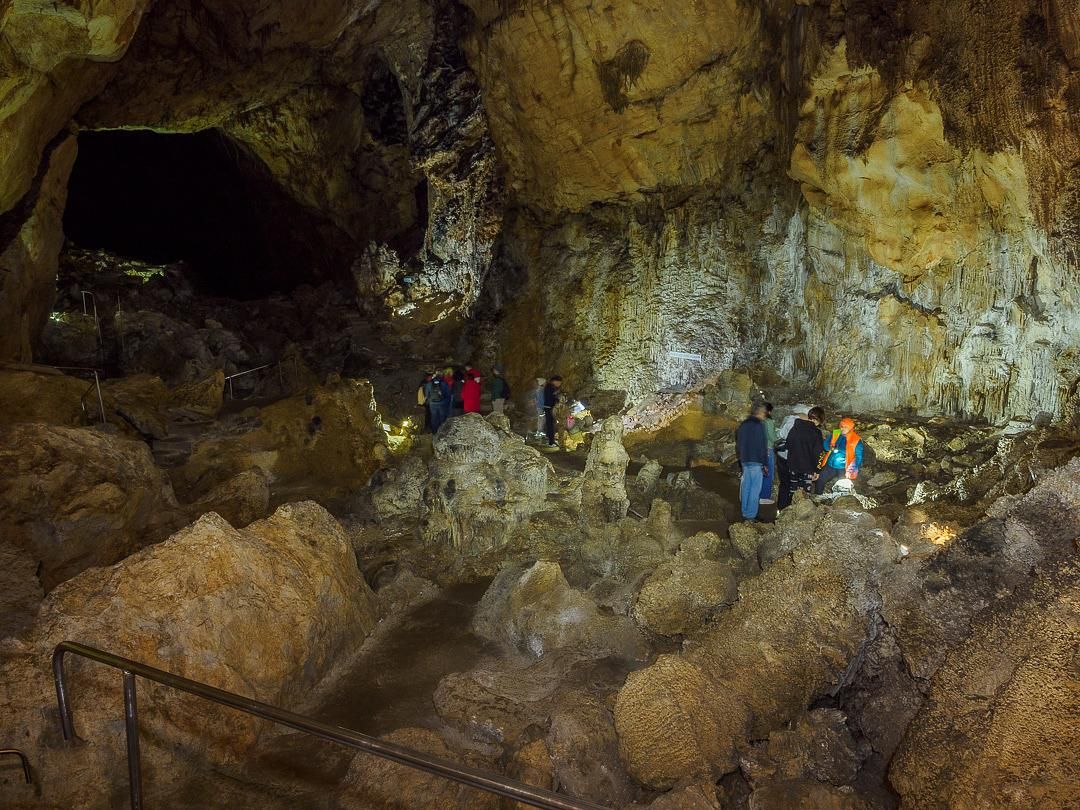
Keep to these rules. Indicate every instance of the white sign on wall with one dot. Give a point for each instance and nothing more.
(685, 356)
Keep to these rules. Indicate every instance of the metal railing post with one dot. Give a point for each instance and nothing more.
(131, 727)
(66, 723)
(100, 401)
(15, 752)
(97, 323)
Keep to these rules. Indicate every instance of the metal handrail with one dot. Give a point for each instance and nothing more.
(473, 777)
(22, 758)
(38, 368)
(281, 377)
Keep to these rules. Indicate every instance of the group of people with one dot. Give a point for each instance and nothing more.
(797, 452)
(458, 390)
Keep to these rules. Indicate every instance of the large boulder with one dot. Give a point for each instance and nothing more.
(264, 612)
(999, 727)
(992, 625)
(481, 485)
(323, 444)
(41, 394)
(533, 609)
(73, 498)
(683, 595)
(790, 638)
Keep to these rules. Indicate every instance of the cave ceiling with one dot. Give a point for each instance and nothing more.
(906, 172)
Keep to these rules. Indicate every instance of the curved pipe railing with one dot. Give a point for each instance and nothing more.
(481, 780)
(15, 752)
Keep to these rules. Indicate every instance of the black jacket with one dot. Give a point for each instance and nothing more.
(551, 396)
(750, 442)
(804, 443)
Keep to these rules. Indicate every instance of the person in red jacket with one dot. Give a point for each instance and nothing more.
(470, 391)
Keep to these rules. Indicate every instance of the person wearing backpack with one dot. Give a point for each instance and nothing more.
(440, 402)
(500, 390)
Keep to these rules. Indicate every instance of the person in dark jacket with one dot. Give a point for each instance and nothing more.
(455, 390)
(803, 450)
(551, 399)
(423, 397)
(439, 401)
(752, 448)
(500, 391)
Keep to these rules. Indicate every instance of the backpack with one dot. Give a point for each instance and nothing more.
(436, 393)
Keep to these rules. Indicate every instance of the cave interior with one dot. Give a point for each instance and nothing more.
(401, 364)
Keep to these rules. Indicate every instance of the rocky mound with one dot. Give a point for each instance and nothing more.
(263, 611)
(482, 483)
(73, 498)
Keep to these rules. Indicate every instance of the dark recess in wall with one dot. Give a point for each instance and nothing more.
(201, 199)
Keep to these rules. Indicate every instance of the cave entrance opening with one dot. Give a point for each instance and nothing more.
(200, 199)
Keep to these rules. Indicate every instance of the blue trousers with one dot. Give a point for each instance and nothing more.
(750, 489)
(767, 477)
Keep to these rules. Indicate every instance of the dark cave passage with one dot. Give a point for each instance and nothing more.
(201, 199)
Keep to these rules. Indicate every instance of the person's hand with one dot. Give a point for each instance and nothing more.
(816, 477)
(852, 474)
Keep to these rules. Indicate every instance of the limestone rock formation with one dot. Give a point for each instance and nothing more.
(28, 256)
(585, 751)
(480, 486)
(989, 619)
(240, 500)
(683, 595)
(818, 748)
(29, 394)
(603, 488)
(73, 498)
(533, 609)
(497, 702)
(263, 611)
(803, 620)
(323, 444)
(998, 727)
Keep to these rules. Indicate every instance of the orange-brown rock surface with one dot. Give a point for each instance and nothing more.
(263, 611)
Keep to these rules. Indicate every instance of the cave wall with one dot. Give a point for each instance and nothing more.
(879, 199)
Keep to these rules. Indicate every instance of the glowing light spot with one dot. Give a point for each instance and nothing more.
(939, 535)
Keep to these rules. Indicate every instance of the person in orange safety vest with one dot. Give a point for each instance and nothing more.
(843, 455)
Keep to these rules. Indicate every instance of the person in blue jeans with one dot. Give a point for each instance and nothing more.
(752, 449)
